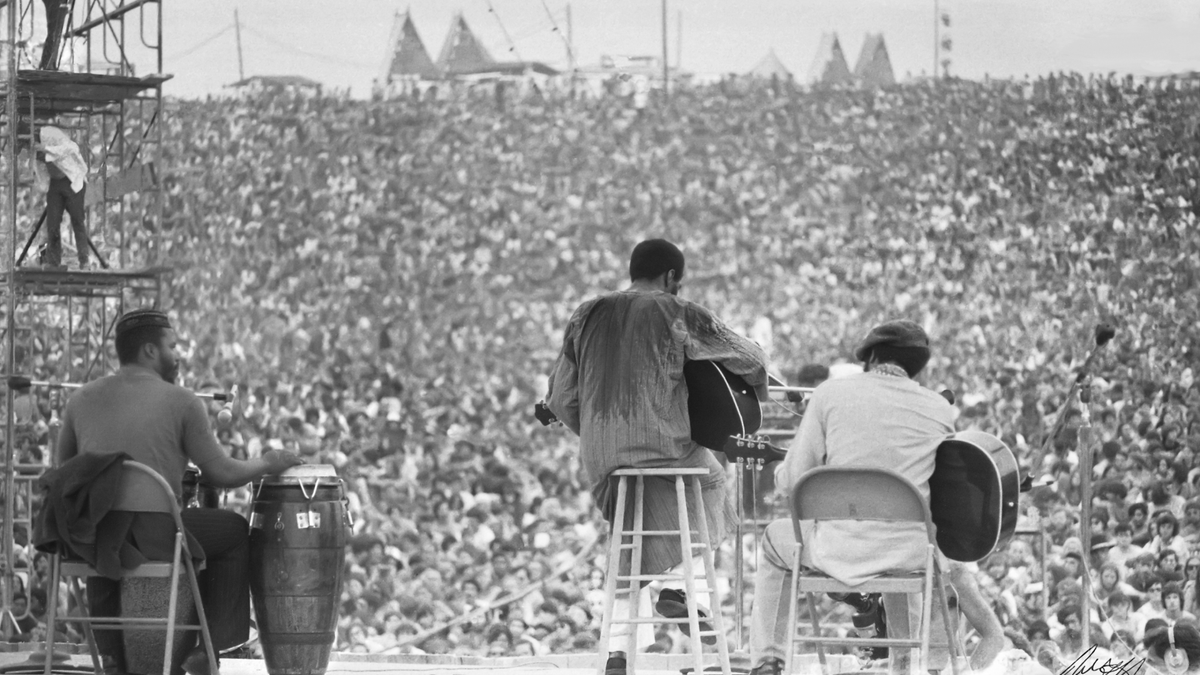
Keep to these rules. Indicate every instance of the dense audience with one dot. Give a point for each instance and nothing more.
(386, 283)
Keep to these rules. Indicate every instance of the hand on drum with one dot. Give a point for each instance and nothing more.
(279, 461)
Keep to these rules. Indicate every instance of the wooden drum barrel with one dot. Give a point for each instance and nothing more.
(297, 550)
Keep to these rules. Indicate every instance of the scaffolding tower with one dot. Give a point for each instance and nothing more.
(72, 64)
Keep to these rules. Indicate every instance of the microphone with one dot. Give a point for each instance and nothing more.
(949, 396)
(225, 417)
(1104, 333)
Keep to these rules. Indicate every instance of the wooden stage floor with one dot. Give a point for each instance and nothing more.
(351, 664)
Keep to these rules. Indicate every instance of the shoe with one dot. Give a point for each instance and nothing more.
(872, 623)
(196, 663)
(615, 665)
(672, 604)
(769, 667)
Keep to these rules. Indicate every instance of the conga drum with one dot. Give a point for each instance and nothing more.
(297, 550)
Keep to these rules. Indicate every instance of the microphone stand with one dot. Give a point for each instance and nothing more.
(22, 383)
(1085, 491)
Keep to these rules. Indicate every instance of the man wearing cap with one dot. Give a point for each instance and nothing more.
(140, 411)
(877, 418)
(618, 383)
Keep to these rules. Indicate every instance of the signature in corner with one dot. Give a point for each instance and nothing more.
(1088, 663)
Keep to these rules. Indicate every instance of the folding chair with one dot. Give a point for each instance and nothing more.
(862, 493)
(141, 490)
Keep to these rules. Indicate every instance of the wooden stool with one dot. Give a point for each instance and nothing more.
(634, 579)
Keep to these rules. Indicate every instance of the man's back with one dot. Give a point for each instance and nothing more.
(135, 411)
(873, 420)
(627, 351)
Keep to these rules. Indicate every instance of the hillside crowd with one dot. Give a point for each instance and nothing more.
(386, 283)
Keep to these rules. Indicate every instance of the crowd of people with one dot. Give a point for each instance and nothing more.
(385, 283)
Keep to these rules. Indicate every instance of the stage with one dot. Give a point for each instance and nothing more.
(443, 664)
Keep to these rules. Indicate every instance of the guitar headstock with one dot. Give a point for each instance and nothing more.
(753, 449)
(544, 414)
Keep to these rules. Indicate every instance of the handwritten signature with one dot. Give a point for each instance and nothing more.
(1087, 663)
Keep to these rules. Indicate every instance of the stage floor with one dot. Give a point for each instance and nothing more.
(563, 664)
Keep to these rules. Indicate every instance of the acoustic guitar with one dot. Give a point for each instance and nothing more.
(973, 495)
(720, 404)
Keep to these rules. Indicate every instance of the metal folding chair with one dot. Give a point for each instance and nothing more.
(141, 490)
(862, 493)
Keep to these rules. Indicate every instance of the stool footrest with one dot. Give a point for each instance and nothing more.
(655, 533)
(668, 471)
(662, 619)
(654, 577)
(859, 642)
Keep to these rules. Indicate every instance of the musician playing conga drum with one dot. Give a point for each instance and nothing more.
(139, 410)
(878, 418)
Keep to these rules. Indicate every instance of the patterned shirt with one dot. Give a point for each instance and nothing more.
(619, 383)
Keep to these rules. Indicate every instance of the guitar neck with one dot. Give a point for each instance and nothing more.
(752, 448)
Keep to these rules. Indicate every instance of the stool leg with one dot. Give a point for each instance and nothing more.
(710, 574)
(616, 535)
(689, 578)
(635, 570)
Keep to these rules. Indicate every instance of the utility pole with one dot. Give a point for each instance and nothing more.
(937, 41)
(666, 73)
(237, 25)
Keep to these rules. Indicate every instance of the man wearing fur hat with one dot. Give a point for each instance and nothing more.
(878, 418)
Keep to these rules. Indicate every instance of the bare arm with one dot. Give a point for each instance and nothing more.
(226, 472)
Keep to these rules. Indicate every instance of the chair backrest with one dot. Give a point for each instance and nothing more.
(143, 490)
(858, 493)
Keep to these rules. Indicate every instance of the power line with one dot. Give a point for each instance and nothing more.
(203, 43)
(302, 52)
(570, 53)
(512, 47)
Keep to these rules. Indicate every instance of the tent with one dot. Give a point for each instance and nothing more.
(407, 57)
(874, 67)
(769, 66)
(829, 67)
(462, 52)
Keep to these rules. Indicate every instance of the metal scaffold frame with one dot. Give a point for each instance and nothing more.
(57, 322)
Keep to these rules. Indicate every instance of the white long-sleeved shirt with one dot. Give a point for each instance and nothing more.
(871, 420)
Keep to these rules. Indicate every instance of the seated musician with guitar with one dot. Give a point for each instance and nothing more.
(880, 418)
(619, 384)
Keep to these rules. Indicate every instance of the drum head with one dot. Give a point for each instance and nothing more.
(304, 473)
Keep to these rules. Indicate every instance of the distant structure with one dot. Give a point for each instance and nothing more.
(770, 66)
(407, 61)
(289, 83)
(462, 52)
(874, 67)
(408, 68)
(829, 67)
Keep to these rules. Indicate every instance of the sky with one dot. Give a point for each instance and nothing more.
(343, 43)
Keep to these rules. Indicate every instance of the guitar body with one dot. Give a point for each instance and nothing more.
(973, 495)
(720, 404)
